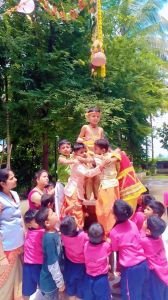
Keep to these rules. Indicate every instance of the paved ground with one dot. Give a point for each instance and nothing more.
(156, 187)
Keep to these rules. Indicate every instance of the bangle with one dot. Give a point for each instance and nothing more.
(1, 258)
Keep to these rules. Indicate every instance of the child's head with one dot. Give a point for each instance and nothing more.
(64, 147)
(154, 208)
(146, 199)
(101, 146)
(93, 115)
(79, 149)
(96, 233)
(47, 218)
(29, 219)
(122, 211)
(68, 226)
(155, 226)
(47, 201)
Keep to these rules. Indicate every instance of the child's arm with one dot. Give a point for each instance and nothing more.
(82, 134)
(65, 161)
(53, 264)
(102, 135)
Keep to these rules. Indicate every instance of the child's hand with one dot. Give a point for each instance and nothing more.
(62, 288)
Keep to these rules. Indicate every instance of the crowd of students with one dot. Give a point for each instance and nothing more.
(98, 207)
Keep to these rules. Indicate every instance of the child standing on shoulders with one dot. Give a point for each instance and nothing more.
(125, 238)
(96, 253)
(88, 135)
(33, 254)
(156, 258)
(51, 278)
(74, 190)
(109, 190)
(74, 273)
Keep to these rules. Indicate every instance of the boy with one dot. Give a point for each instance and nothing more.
(156, 258)
(74, 272)
(51, 278)
(74, 190)
(109, 190)
(88, 135)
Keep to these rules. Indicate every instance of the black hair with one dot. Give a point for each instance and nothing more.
(4, 175)
(156, 226)
(30, 215)
(96, 233)
(157, 207)
(146, 199)
(93, 109)
(102, 144)
(122, 210)
(42, 216)
(47, 199)
(68, 226)
(78, 146)
(63, 142)
(39, 173)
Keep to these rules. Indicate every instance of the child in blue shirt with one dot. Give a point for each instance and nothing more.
(51, 278)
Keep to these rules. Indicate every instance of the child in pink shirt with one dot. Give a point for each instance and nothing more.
(156, 258)
(73, 241)
(33, 254)
(125, 239)
(96, 253)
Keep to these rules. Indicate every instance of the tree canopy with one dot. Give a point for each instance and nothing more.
(46, 83)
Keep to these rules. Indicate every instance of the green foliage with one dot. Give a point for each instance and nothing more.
(163, 135)
(44, 68)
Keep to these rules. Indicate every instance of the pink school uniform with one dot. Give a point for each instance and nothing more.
(33, 260)
(158, 265)
(138, 218)
(74, 272)
(74, 246)
(97, 266)
(156, 257)
(125, 239)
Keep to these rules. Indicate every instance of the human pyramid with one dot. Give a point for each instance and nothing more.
(97, 208)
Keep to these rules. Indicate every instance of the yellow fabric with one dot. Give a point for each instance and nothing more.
(72, 206)
(125, 172)
(104, 205)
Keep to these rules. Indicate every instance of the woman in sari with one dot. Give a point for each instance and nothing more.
(11, 238)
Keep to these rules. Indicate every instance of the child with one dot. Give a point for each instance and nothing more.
(129, 184)
(73, 241)
(96, 253)
(92, 132)
(47, 201)
(156, 258)
(125, 239)
(74, 190)
(51, 279)
(139, 217)
(109, 190)
(88, 135)
(33, 255)
(154, 208)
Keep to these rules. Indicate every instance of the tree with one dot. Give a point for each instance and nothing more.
(163, 135)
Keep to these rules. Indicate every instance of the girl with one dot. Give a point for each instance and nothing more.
(125, 239)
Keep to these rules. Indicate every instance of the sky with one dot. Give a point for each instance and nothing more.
(158, 121)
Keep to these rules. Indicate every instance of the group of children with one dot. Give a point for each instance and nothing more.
(62, 253)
